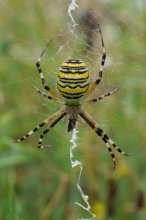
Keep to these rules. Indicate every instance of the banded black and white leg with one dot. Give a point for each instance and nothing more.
(38, 65)
(47, 96)
(42, 124)
(49, 128)
(100, 73)
(99, 131)
(102, 96)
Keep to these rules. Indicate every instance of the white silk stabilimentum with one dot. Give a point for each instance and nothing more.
(75, 163)
(72, 7)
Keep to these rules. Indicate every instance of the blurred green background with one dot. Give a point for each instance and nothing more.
(40, 184)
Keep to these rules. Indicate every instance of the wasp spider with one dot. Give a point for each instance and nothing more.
(74, 85)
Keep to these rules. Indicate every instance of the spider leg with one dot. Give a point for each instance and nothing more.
(46, 121)
(38, 65)
(93, 87)
(95, 126)
(103, 96)
(47, 96)
(49, 128)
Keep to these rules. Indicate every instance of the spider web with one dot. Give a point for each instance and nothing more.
(27, 29)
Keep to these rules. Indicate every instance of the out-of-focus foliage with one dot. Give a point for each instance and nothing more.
(40, 184)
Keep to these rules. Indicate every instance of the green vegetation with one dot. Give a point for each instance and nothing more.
(40, 184)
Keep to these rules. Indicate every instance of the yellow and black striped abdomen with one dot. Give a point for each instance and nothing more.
(73, 80)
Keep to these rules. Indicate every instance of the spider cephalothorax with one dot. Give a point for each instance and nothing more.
(73, 115)
(73, 83)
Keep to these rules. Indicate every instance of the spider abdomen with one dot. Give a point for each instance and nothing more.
(73, 80)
